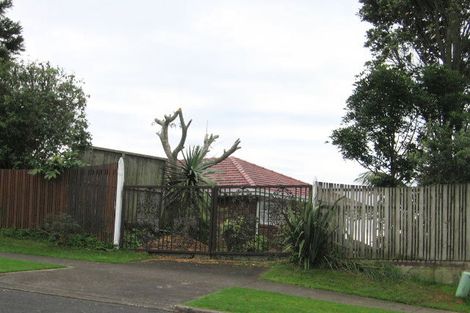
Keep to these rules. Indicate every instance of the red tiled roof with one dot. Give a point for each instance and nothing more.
(237, 172)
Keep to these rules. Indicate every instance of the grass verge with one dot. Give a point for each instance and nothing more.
(45, 248)
(244, 300)
(10, 265)
(406, 291)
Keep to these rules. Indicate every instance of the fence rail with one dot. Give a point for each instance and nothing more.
(429, 223)
(87, 194)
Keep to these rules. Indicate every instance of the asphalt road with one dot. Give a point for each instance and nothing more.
(13, 301)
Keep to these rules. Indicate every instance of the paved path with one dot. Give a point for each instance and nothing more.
(159, 284)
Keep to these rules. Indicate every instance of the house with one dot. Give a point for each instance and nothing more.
(259, 195)
(237, 172)
(245, 211)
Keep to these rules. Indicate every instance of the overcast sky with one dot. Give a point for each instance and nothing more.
(275, 74)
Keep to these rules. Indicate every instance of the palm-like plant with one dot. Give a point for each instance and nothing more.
(193, 170)
(307, 233)
(187, 197)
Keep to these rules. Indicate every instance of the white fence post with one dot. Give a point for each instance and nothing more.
(118, 209)
(315, 192)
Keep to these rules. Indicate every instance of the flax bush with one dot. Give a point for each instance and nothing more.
(306, 234)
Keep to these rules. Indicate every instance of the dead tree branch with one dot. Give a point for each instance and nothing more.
(209, 139)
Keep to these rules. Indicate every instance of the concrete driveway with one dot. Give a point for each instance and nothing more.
(155, 284)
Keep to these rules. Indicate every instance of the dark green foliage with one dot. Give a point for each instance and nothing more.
(444, 155)
(376, 179)
(191, 171)
(11, 40)
(416, 33)
(42, 118)
(61, 230)
(137, 234)
(408, 122)
(426, 45)
(239, 233)
(52, 167)
(259, 244)
(380, 127)
(187, 202)
(86, 241)
(444, 97)
(19, 233)
(307, 233)
(70, 240)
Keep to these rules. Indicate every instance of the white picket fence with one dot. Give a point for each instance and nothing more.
(429, 223)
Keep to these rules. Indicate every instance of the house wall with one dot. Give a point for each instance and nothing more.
(140, 169)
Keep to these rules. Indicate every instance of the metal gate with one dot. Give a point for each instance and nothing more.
(242, 220)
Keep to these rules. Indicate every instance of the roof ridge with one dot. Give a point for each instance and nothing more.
(242, 171)
(267, 169)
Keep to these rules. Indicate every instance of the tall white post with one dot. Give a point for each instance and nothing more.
(118, 210)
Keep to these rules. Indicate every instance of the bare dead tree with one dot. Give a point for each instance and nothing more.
(209, 139)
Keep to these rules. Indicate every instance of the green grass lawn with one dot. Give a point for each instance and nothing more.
(10, 265)
(244, 300)
(45, 248)
(399, 290)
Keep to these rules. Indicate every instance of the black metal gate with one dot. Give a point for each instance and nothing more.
(242, 220)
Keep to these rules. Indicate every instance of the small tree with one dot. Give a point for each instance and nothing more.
(188, 204)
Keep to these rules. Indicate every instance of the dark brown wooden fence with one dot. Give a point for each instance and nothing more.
(87, 194)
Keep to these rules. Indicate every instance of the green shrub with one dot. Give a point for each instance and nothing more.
(61, 230)
(19, 233)
(82, 240)
(238, 232)
(259, 244)
(306, 234)
(137, 234)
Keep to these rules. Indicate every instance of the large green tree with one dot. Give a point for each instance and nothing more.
(42, 118)
(445, 140)
(11, 40)
(414, 33)
(379, 130)
(428, 41)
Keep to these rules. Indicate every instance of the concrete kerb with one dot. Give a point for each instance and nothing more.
(188, 309)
